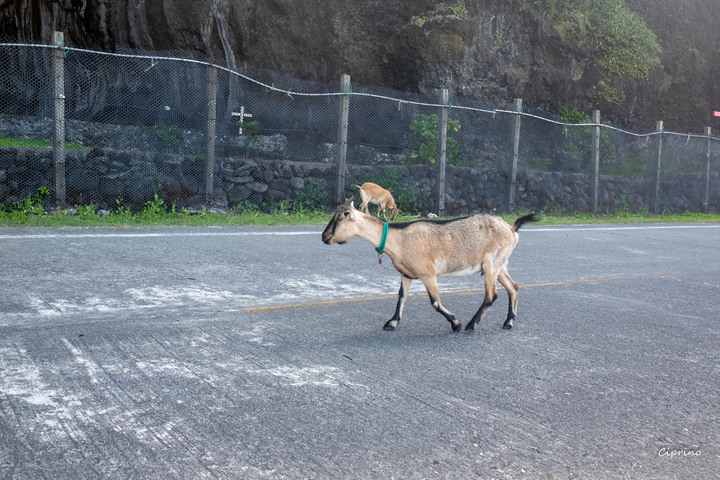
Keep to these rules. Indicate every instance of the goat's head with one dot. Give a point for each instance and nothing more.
(343, 224)
(394, 211)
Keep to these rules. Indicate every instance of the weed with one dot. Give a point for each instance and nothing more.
(154, 208)
(121, 211)
(249, 130)
(86, 210)
(425, 138)
(312, 197)
(32, 205)
(245, 207)
(171, 135)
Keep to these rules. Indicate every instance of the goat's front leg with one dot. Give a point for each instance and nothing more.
(384, 209)
(402, 296)
(434, 292)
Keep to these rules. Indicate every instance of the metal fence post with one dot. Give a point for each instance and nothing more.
(708, 133)
(58, 82)
(212, 76)
(442, 150)
(595, 159)
(658, 168)
(517, 107)
(341, 147)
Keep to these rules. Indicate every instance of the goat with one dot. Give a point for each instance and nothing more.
(424, 249)
(373, 193)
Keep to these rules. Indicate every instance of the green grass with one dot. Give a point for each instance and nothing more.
(588, 218)
(33, 142)
(143, 218)
(29, 212)
(167, 219)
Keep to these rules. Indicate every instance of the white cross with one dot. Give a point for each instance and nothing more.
(242, 116)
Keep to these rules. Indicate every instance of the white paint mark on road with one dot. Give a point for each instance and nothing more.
(178, 296)
(570, 228)
(22, 379)
(318, 376)
(22, 382)
(581, 228)
(138, 299)
(91, 367)
(47, 236)
(144, 300)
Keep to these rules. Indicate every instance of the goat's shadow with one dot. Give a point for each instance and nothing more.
(422, 334)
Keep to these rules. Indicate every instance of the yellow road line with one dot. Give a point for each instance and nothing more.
(470, 291)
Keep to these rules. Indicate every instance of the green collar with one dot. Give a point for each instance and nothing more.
(381, 248)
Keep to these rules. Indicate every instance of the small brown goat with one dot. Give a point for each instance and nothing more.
(373, 193)
(425, 249)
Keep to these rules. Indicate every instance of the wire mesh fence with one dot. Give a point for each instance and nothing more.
(115, 130)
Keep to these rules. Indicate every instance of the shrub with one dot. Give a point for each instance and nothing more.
(171, 135)
(425, 139)
(312, 197)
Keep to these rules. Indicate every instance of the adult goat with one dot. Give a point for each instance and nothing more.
(424, 249)
(373, 193)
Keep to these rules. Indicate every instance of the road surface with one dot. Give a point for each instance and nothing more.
(241, 352)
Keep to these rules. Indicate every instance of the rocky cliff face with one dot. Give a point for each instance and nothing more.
(494, 54)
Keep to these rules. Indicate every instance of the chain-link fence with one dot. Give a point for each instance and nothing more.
(115, 130)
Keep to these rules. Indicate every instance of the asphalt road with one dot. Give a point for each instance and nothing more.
(259, 353)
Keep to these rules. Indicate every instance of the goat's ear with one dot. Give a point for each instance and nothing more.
(348, 203)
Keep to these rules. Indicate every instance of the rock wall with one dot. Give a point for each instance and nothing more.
(104, 177)
(129, 164)
(493, 55)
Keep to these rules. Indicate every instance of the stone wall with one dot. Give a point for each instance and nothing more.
(128, 163)
(104, 176)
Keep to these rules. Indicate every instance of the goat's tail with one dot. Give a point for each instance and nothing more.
(525, 218)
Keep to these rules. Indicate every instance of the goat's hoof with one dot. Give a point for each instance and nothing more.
(508, 324)
(390, 325)
(456, 326)
(470, 327)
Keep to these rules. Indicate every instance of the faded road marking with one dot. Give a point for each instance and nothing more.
(467, 291)
(571, 228)
(45, 236)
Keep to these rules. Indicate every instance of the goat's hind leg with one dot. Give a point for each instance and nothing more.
(490, 297)
(402, 296)
(512, 291)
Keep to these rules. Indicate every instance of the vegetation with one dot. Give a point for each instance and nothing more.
(456, 10)
(619, 41)
(311, 198)
(33, 142)
(577, 144)
(30, 212)
(171, 135)
(150, 216)
(424, 139)
(250, 134)
(306, 209)
(155, 212)
(32, 205)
